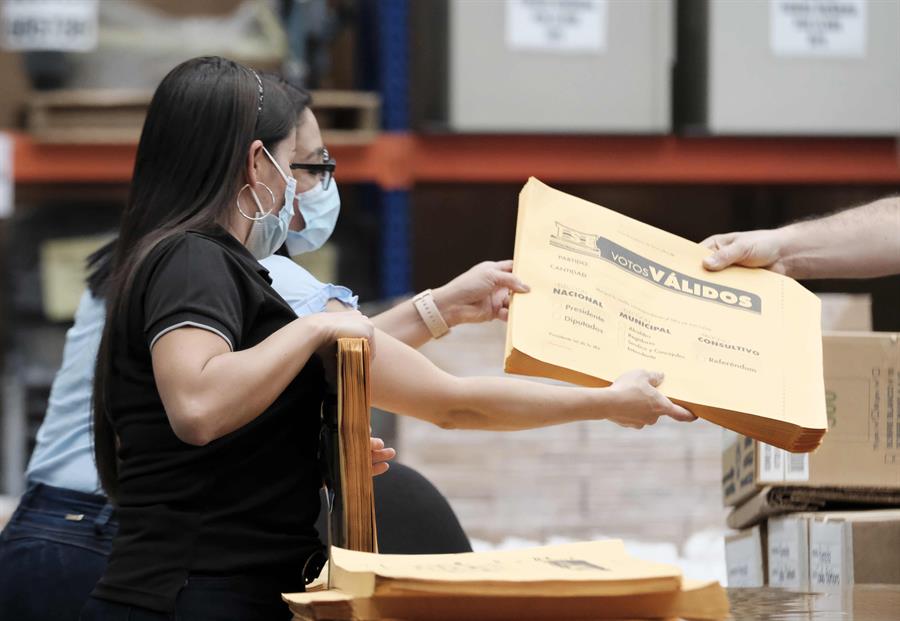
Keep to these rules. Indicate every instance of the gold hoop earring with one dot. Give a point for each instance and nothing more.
(255, 200)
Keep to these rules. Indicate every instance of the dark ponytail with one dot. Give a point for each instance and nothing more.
(201, 121)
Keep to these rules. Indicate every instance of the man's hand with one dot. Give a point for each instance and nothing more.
(380, 456)
(480, 294)
(750, 249)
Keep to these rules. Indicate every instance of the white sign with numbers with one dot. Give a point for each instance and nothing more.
(565, 26)
(64, 25)
(818, 28)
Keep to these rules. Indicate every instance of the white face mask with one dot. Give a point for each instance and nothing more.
(269, 231)
(320, 209)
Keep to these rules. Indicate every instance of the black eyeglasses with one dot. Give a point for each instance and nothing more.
(325, 170)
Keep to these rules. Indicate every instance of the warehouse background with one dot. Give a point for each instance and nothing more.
(696, 116)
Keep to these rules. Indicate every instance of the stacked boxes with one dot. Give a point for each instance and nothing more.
(822, 551)
(858, 547)
(786, 496)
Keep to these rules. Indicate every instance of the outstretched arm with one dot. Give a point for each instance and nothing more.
(863, 242)
(406, 382)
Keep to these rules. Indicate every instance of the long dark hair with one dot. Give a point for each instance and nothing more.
(299, 96)
(201, 121)
(98, 262)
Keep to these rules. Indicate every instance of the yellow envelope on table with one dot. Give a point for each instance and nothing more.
(741, 348)
(576, 581)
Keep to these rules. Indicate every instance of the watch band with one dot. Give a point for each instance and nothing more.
(428, 311)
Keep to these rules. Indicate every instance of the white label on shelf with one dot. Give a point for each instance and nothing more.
(771, 465)
(818, 28)
(744, 561)
(796, 467)
(788, 552)
(6, 175)
(826, 548)
(66, 25)
(564, 26)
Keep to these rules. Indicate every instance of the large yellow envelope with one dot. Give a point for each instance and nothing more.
(741, 348)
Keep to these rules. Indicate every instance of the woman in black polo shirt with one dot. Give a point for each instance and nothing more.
(207, 389)
(208, 529)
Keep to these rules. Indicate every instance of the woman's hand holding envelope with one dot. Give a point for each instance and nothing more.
(640, 403)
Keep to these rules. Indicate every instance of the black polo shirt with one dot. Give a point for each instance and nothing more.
(244, 504)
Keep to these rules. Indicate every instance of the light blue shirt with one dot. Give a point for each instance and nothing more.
(63, 456)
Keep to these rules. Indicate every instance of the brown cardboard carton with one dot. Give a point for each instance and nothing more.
(777, 500)
(824, 551)
(862, 447)
(846, 311)
(63, 273)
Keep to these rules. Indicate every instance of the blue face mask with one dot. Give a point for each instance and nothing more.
(270, 230)
(320, 209)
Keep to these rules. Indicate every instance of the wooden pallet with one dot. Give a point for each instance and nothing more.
(347, 117)
(101, 116)
(108, 116)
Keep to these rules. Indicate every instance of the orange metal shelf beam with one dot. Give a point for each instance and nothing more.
(657, 159)
(38, 163)
(397, 161)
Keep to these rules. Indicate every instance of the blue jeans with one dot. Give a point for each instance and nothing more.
(53, 552)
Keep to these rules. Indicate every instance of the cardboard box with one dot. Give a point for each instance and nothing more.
(826, 68)
(846, 311)
(787, 551)
(745, 558)
(862, 446)
(489, 76)
(64, 271)
(826, 551)
(855, 547)
(777, 500)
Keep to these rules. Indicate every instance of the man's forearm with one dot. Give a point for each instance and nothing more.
(863, 242)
